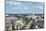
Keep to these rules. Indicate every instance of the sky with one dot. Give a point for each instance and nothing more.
(24, 7)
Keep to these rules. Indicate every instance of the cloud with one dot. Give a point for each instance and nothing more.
(36, 7)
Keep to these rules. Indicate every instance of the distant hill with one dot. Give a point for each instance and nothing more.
(24, 14)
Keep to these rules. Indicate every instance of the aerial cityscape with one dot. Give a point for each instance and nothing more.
(24, 15)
